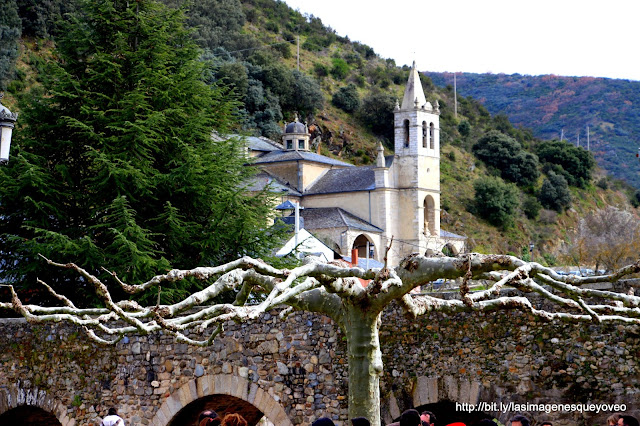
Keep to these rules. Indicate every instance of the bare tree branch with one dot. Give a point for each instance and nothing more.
(325, 288)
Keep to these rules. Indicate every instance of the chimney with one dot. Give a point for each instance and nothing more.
(354, 257)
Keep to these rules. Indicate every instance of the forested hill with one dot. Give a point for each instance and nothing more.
(555, 106)
(501, 186)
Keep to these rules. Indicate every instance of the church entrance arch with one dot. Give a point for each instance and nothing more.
(223, 393)
(429, 216)
(362, 243)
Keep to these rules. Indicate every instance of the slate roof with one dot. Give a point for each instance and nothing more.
(262, 179)
(334, 217)
(254, 143)
(281, 156)
(447, 234)
(344, 180)
(262, 144)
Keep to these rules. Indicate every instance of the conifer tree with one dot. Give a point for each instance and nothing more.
(115, 165)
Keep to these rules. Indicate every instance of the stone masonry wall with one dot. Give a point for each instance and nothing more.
(299, 366)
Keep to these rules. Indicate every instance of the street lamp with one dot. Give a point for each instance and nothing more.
(7, 121)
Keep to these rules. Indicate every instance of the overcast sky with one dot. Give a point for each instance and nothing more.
(562, 37)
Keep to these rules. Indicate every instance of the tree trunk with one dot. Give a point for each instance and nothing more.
(365, 363)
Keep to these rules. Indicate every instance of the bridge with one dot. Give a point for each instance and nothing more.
(290, 372)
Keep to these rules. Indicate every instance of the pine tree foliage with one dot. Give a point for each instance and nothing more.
(115, 165)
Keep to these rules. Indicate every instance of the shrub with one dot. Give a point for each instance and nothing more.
(376, 112)
(321, 70)
(574, 163)
(340, 68)
(495, 201)
(603, 183)
(346, 98)
(531, 207)
(464, 128)
(554, 193)
(505, 154)
(10, 27)
(635, 200)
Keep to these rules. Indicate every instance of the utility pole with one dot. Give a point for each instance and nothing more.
(561, 135)
(578, 139)
(455, 95)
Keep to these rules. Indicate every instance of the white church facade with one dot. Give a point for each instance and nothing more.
(394, 203)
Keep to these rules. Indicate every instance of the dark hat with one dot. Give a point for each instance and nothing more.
(360, 421)
(410, 418)
(323, 421)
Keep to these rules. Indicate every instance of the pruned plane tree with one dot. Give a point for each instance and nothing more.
(337, 291)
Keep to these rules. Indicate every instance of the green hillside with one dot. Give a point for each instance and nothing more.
(346, 93)
(555, 107)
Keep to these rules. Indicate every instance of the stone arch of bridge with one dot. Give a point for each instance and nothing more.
(221, 384)
(433, 390)
(19, 403)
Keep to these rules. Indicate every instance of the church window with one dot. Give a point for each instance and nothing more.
(300, 143)
(289, 144)
(424, 134)
(406, 133)
(432, 136)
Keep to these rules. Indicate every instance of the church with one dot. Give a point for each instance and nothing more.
(393, 204)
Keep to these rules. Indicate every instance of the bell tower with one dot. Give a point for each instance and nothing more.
(417, 158)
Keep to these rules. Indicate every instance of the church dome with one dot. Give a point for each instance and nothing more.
(295, 127)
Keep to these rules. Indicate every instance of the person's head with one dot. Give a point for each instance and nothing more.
(410, 418)
(428, 417)
(112, 412)
(612, 420)
(360, 421)
(234, 419)
(207, 414)
(546, 424)
(520, 421)
(209, 418)
(628, 421)
(323, 421)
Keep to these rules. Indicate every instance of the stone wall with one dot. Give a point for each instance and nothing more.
(294, 371)
(512, 357)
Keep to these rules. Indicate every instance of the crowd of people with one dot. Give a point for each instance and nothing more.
(211, 418)
(408, 418)
(426, 418)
